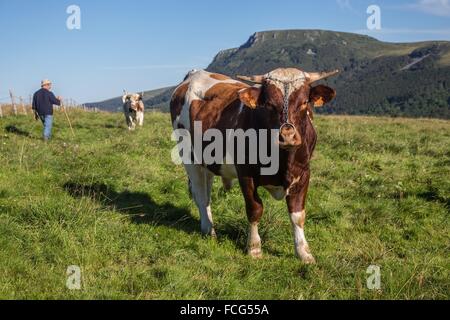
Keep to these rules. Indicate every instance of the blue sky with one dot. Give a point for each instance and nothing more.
(139, 45)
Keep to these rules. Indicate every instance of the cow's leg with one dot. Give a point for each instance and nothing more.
(301, 244)
(134, 120)
(254, 208)
(127, 119)
(130, 123)
(296, 205)
(140, 118)
(201, 181)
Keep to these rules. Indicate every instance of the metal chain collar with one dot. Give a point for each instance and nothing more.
(287, 88)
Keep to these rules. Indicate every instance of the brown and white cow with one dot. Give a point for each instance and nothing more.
(133, 109)
(282, 99)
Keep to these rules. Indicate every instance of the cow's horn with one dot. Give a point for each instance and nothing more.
(316, 76)
(254, 79)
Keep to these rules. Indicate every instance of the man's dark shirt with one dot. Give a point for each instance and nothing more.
(43, 101)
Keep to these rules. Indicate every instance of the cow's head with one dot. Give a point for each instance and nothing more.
(290, 95)
(133, 101)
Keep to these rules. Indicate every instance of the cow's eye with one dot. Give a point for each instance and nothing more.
(274, 107)
(302, 103)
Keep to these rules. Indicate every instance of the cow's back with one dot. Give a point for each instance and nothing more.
(203, 96)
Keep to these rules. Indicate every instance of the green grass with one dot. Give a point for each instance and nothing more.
(113, 203)
(445, 60)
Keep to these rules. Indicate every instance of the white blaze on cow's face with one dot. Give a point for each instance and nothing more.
(293, 78)
(287, 92)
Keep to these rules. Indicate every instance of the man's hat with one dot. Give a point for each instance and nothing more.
(45, 82)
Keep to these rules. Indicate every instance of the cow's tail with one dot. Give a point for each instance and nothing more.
(227, 184)
(190, 188)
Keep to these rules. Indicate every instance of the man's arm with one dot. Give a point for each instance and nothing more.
(54, 100)
(34, 106)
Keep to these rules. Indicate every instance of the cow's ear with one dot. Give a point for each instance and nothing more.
(321, 95)
(126, 98)
(250, 97)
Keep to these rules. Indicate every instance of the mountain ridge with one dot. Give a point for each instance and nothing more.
(377, 78)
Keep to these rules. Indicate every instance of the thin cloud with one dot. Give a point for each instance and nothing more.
(384, 31)
(147, 67)
(347, 6)
(434, 7)
(344, 4)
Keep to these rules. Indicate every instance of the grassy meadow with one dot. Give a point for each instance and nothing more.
(113, 203)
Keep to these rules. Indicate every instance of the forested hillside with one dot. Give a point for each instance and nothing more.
(377, 78)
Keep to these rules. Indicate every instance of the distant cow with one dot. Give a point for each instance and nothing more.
(283, 100)
(133, 108)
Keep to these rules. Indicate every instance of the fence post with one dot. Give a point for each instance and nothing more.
(13, 102)
(22, 104)
(1, 111)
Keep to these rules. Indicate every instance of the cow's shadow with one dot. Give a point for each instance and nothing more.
(140, 207)
(432, 195)
(17, 131)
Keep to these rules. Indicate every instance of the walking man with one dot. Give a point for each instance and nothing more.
(43, 101)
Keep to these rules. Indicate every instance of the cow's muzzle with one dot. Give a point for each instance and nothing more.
(289, 137)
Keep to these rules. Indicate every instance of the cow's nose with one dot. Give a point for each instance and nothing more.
(287, 131)
(289, 137)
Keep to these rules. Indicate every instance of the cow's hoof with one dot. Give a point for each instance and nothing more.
(210, 233)
(308, 259)
(227, 184)
(255, 253)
